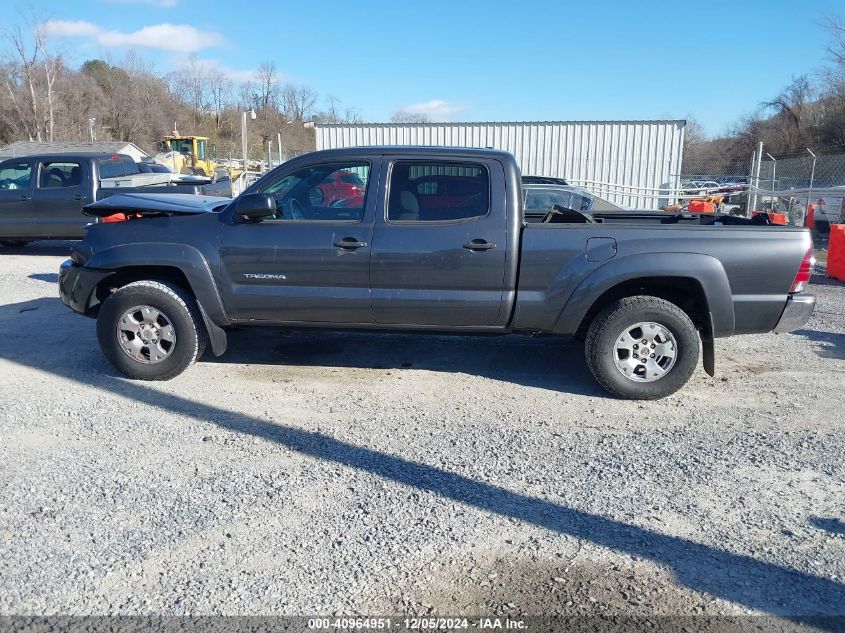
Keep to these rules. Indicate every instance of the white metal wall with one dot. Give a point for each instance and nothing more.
(628, 162)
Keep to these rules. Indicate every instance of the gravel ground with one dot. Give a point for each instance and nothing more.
(328, 473)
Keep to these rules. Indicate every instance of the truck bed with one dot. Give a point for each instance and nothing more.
(758, 261)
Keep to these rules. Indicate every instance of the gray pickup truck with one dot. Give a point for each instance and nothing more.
(425, 239)
(41, 197)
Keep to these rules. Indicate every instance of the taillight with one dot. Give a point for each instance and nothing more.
(804, 272)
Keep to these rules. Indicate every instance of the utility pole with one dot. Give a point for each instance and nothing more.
(244, 147)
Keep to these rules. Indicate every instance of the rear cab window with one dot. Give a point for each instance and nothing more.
(117, 166)
(111, 167)
(129, 166)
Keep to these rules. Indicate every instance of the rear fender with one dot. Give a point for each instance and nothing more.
(704, 269)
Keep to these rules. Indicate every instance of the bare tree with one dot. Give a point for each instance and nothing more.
(220, 94)
(298, 102)
(267, 92)
(189, 84)
(335, 112)
(20, 80)
(404, 116)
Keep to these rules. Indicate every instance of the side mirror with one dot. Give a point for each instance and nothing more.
(256, 206)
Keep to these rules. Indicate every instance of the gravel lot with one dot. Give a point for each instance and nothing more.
(330, 473)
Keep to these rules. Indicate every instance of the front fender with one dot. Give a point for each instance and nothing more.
(182, 257)
(707, 271)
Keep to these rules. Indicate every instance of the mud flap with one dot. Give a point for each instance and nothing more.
(216, 334)
(708, 349)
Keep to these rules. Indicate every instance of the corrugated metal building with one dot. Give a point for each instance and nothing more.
(628, 162)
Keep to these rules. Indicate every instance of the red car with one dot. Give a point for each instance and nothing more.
(341, 185)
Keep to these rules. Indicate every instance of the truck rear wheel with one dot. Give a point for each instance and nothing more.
(642, 348)
(151, 330)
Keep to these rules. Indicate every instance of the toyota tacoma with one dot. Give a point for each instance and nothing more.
(431, 240)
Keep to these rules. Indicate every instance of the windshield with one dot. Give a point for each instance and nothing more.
(543, 199)
(182, 145)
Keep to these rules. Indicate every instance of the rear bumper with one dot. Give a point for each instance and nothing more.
(798, 310)
(77, 283)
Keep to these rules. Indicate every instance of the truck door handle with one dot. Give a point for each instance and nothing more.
(350, 243)
(479, 245)
(79, 197)
(24, 197)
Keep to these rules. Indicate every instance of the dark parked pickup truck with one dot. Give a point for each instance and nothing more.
(434, 239)
(41, 197)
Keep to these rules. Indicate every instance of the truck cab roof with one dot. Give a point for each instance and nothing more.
(413, 150)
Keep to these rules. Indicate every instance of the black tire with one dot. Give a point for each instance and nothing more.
(601, 352)
(14, 243)
(181, 311)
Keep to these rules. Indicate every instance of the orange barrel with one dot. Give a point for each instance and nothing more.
(701, 206)
(776, 218)
(836, 252)
(810, 220)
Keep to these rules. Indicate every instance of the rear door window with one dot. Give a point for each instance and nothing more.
(15, 176)
(59, 175)
(434, 191)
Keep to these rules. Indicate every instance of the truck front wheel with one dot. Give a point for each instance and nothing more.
(642, 348)
(151, 330)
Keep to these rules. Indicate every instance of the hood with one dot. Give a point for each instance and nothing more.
(155, 204)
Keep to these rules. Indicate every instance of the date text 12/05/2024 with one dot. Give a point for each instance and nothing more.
(416, 624)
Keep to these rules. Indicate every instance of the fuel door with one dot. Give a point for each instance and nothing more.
(600, 249)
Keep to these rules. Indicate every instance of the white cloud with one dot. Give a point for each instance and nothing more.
(163, 4)
(70, 28)
(434, 110)
(180, 38)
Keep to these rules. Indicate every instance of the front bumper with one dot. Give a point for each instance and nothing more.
(798, 310)
(77, 284)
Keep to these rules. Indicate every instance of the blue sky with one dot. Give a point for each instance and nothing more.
(478, 60)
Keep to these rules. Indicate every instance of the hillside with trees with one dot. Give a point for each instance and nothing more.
(808, 112)
(44, 98)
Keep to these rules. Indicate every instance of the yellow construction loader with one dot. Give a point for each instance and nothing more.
(187, 154)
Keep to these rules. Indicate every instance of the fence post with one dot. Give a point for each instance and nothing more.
(748, 197)
(812, 176)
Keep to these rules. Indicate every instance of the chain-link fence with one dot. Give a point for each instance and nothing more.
(807, 189)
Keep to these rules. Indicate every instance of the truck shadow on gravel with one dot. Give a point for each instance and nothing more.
(829, 524)
(825, 344)
(41, 342)
(52, 249)
(552, 363)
